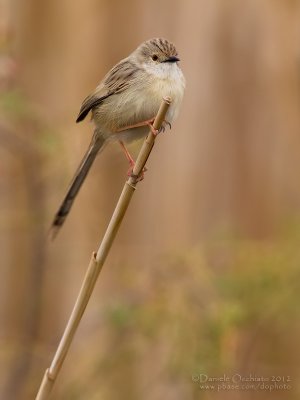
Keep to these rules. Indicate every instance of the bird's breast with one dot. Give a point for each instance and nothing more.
(167, 80)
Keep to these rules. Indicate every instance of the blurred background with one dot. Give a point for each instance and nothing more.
(204, 277)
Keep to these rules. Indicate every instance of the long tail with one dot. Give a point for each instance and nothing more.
(80, 175)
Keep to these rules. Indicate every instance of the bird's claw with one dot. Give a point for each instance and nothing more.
(163, 126)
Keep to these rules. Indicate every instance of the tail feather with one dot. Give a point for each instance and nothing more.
(79, 177)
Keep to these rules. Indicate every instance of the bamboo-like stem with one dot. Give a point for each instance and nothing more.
(99, 258)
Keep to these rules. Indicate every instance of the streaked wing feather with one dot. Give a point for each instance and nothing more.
(119, 78)
(90, 102)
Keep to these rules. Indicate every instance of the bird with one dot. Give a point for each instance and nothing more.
(124, 104)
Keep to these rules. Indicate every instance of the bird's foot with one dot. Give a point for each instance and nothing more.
(163, 126)
(139, 177)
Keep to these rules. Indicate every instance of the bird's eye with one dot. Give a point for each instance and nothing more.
(154, 57)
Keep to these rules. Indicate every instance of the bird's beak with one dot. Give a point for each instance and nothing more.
(172, 59)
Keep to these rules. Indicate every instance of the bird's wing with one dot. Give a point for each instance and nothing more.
(118, 79)
(88, 103)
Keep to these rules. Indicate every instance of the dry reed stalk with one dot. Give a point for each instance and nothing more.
(98, 258)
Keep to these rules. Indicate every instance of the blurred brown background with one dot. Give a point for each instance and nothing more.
(204, 276)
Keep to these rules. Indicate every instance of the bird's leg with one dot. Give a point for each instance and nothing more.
(131, 162)
(127, 154)
(148, 122)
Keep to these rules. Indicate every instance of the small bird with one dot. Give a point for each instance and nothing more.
(124, 104)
